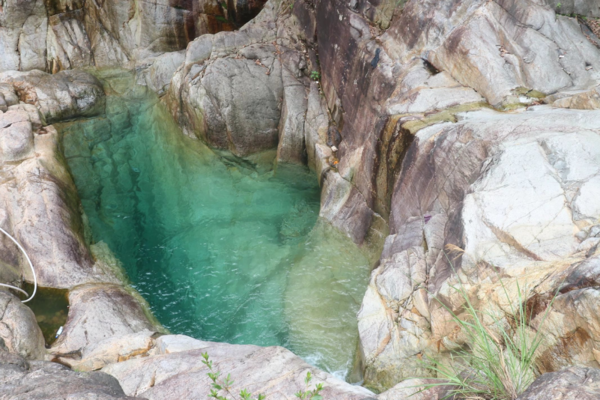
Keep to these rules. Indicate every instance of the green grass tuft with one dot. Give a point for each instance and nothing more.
(498, 361)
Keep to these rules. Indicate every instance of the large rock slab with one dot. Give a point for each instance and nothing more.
(272, 371)
(372, 78)
(19, 329)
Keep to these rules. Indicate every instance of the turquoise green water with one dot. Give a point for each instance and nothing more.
(223, 249)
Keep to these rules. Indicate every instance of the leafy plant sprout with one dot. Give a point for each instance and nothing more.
(308, 394)
(315, 75)
(224, 385)
(499, 360)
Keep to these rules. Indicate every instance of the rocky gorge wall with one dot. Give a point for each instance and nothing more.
(54, 35)
(462, 136)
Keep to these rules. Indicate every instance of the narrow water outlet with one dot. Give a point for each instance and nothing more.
(51, 308)
(223, 249)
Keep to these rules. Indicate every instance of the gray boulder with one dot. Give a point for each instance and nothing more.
(569, 384)
(39, 203)
(19, 329)
(517, 197)
(42, 380)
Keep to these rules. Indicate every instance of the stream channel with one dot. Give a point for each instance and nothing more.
(222, 248)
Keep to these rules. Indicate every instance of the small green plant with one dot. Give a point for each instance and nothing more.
(498, 362)
(224, 385)
(315, 75)
(308, 394)
(559, 5)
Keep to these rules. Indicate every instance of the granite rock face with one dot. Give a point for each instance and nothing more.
(436, 58)
(588, 8)
(516, 200)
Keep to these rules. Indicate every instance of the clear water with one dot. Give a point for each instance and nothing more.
(223, 249)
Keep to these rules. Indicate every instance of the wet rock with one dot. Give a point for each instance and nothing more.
(20, 380)
(569, 384)
(68, 94)
(97, 313)
(19, 329)
(273, 371)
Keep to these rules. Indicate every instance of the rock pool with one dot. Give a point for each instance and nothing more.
(223, 249)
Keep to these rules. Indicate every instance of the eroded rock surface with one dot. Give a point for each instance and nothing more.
(588, 8)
